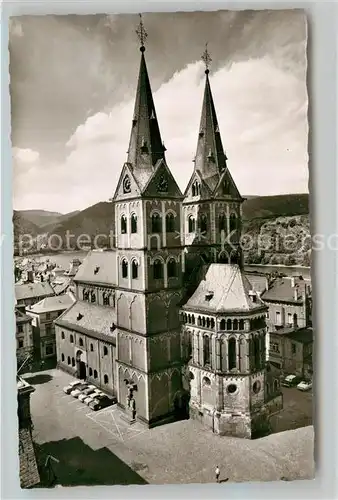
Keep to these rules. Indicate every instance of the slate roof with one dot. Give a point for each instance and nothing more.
(31, 290)
(60, 284)
(303, 335)
(29, 474)
(281, 290)
(49, 304)
(96, 321)
(21, 317)
(230, 288)
(259, 282)
(104, 262)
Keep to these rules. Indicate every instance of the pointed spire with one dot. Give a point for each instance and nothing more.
(145, 146)
(210, 156)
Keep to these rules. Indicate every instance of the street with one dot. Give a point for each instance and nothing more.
(100, 448)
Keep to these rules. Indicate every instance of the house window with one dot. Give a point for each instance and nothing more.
(278, 318)
(49, 349)
(203, 223)
(206, 349)
(134, 270)
(293, 348)
(191, 224)
(295, 321)
(170, 223)
(93, 297)
(81, 342)
(105, 379)
(124, 268)
(63, 335)
(156, 223)
(274, 346)
(123, 224)
(106, 301)
(222, 222)
(62, 357)
(232, 353)
(133, 224)
(95, 374)
(73, 361)
(172, 268)
(68, 360)
(20, 344)
(158, 269)
(48, 330)
(85, 295)
(20, 329)
(90, 371)
(105, 350)
(71, 339)
(47, 316)
(290, 320)
(91, 347)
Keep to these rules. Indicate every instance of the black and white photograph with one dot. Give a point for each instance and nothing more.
(162, 248)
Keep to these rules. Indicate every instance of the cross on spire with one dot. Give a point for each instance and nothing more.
(142, 34)
(206, 58)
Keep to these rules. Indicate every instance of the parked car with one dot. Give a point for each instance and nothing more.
(291, 381)
(305, 385)
(94, 395)
(103, 402)
(87, 392)
(70, 387)
(78, 389)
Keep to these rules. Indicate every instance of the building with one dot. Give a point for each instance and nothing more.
(42, 315)
(29, 474)
(124, 332)
(24, 336)
(30, 293)
(291, 351)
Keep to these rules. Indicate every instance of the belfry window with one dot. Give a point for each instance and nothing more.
(203, 223)
(232, 354)
(206, 349)
(222, 222)
(124, 268)
(123, 224)
(134, 270)
(172, 272)
(191, 224)
(170, 223)
(156, 223)
(158, 269)
(133, 224)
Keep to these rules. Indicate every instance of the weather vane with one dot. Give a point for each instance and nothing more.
(141, 33)
(206, 58)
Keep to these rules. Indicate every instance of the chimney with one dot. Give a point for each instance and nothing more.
(30, 276)
(295, 294)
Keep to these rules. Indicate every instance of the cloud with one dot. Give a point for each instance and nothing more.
(25, 155)
(15, 28)
(262, 114)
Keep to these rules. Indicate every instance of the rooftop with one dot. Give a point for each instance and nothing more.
(259, 282)
(50, 304)
(31, 290)
(90, 318)
(303, 335)
(282, 290)
(29, 474)
(98, 267)
(21, 317)
(225, 288)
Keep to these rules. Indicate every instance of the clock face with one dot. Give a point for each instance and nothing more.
(126, 184)
(163, 184)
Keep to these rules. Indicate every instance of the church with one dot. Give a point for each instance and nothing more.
(166, 320)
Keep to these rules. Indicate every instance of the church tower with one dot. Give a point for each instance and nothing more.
(211, 212)
(147, 211)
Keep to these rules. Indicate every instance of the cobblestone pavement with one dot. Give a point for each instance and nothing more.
(182, 452)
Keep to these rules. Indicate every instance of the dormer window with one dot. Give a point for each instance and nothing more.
(209, 296)
(96, 270)
(112, 328)
(79, 317)
(144, 146)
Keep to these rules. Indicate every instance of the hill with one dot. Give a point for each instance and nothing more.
(40, 217)
(262, 207)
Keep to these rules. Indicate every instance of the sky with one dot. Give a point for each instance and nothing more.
(73, 84)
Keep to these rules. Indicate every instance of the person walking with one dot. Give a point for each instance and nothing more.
(217, 472)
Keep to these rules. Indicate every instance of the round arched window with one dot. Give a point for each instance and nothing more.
(232, 388)
(206, 381)
(256, 387)
(191, 376)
